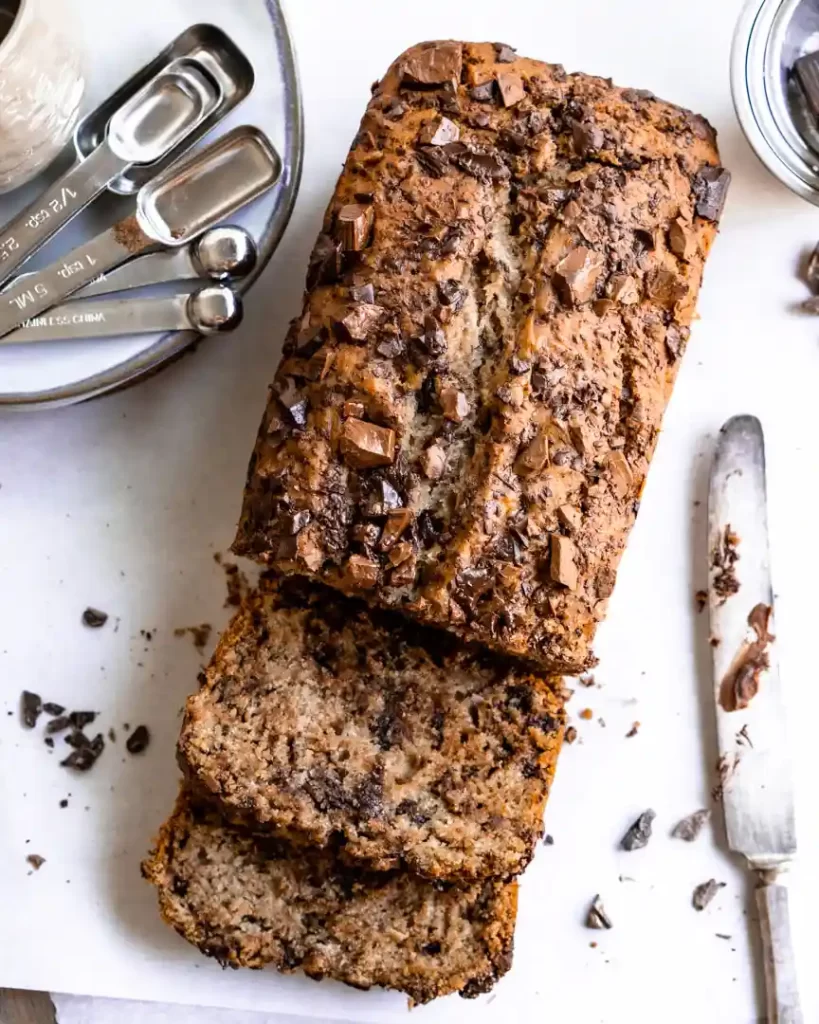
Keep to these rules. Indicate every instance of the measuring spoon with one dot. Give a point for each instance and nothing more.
(150, 124)
(214, 309)
(225, 253)
(172, 210)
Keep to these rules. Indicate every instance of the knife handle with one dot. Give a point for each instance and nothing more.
(777, 951)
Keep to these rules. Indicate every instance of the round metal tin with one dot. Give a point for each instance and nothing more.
(258, 26)
(770, 35)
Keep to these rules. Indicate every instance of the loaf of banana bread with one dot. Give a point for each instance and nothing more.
(465, 412)
(332, 724)
(253, 901)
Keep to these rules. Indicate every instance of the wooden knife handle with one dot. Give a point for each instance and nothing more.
(777, 951)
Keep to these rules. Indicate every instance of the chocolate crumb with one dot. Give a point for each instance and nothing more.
(689, 828)
(742, 736)
(112, 735)
(701, 599)
(633, 730)
(704, 893)
(138, 741)
(548, 840)
(597, 916)
(639, 834)
(130, 235)
(570, 735)
(63, 804)
(722, 935)
(94, 618)
(53, 709)
(725, 769)
(724, 559)
(36, 861)
(79, 719)
(586, 680)
(199, 634)
(30, 707)
(49, 742)
(57, 725)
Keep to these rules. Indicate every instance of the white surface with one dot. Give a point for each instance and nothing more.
(134, 36)
(89, 1010)
(148, 483)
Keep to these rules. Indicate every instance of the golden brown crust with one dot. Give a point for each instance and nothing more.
(330, 723)
(495, 316)
(253, 902)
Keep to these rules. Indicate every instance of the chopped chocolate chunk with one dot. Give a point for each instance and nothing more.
(433, 64)
(294, 401)
(400, 553)
(361, 320)
(138, 741)
(689, 828)
(640, 832)
(562, 564)
(77, 740)
(665, 287)
(483, 166)
(59, 724)
(548, 840)
(36, 861)
(390, 348)
(534, 456)
(365, 445)
(325, 262)
(397, 521)
(483, 93)
(63, 804)
(433, 339)
(79, 719)
(433, 462)
(812, 271)
(681, 239)
(704, 893)
(81, 760)
(510, 86)
(570, 735)
(360, 572)
(711, 189)
(434, 161)
(290, 523)
(635, 728)
(701, 599)
(30, 708)
(451, 294)
(439, 133)
(505, 54)
(623, 288)
(363, 293)
(94, 618)
(455, 405)
(675, 339)
(597, 916)
(576, 275)
(724, 558)
(353, 226)
(587, 139)
(53, 709)
(570, 517)
(622, 480)
(383, 498)
(49, 742)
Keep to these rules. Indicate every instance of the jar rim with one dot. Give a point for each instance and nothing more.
(15, 29)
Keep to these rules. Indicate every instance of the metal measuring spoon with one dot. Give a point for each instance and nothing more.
(143, 130)
(226, 253)
(172, 210)
(214, 309)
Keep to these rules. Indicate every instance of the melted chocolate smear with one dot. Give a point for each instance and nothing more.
(741, 682)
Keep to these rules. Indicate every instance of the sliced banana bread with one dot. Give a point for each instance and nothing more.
(327, 722)
(253, 901)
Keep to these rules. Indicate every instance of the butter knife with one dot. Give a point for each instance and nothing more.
(754, 764)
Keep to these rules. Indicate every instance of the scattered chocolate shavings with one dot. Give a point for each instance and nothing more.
(597, 917)
(724, 559)
(53, 709)
(635, 728)
(199, 634)
(725, 769)
(30, 707)
(640, 832)
(94, 618)
(741, 682)
(701, 599)
(689, 828)
(742, 736)
(36, 861)
(139, 740)
(704, 893)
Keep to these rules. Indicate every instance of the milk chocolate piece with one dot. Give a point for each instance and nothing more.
(576, 275)
(439, 133)
(510, 86)
(562, 566)
(711, 189)
(433, 64)
(353, 225)
(364, 445)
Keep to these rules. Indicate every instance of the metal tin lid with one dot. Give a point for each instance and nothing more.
(769, 37)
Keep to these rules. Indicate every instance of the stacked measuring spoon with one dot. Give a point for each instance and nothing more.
(139, 144)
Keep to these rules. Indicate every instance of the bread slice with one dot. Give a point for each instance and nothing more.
(253, 901)
(329, 723)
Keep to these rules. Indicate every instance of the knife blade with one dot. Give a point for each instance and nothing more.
(756, 782)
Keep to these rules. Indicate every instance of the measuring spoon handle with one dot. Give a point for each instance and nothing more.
(58, 205)
(155, 268)
(39, 292)
(105, 319)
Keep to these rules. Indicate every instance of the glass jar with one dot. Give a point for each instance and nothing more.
(41, 86)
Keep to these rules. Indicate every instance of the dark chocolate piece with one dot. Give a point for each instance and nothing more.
(30, 707)
(640, 832)
(94, 618)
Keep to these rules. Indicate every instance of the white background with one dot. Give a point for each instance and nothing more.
(121, 504)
